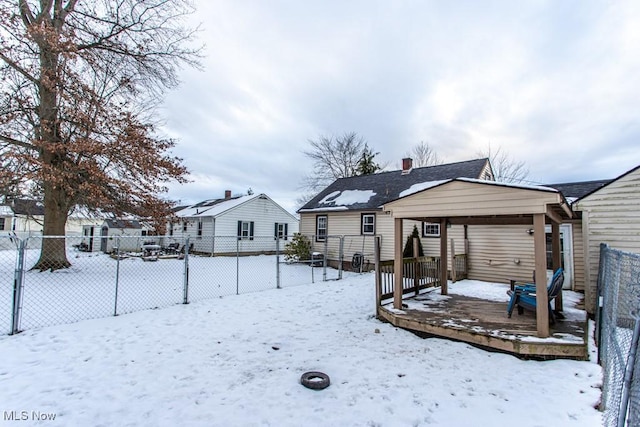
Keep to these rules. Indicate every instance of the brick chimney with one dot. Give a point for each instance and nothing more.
(227, 194)
(407, 164)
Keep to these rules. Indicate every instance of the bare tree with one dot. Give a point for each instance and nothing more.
(505, 168)
(333, 158)
(424, 155)
(81, 81)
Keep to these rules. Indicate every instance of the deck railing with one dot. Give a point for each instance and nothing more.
(460, 267)
(417, 274)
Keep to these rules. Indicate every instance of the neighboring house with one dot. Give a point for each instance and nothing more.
(28, 216)
(25, 217)
(352, 207)
(246, 224)
(611, 215)
(6, 218)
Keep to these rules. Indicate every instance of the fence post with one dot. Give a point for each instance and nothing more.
(629, 374)
(18, 282)
(341, 256)
(324, 260)
(115, 304)
(185, 298)
(600, 296)
(376, 255)
(277, 262)
(238, 266)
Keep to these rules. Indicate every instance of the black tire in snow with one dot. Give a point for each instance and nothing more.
(315, 380)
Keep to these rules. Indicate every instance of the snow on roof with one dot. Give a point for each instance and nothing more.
(348, 197)
(6, 210)
(330, 208)
(505, 184)
(199, 210)
(422, 186)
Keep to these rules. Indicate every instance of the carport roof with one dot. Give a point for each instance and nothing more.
(462, 199)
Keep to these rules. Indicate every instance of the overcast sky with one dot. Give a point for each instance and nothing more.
(555, 84)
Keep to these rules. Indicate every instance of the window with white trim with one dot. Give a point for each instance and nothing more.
(368, 224)
(184, 226)
(245, 230)
(321, 228)
(281, 230)
(430, 229)
(170, 229)
(199, 229)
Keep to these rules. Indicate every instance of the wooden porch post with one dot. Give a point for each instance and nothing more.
(376, 254)
(556, 261)
(542, 299)
(416, 268)
(444, 288)
(397, 264)
(452, 260)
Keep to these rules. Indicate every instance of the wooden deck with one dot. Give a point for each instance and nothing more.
(485, 323)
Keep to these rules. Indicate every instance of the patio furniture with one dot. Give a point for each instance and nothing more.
(524, 296)
(171, 248)
(150, 252)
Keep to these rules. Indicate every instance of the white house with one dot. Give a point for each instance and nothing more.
(244, 224)
(25, 217)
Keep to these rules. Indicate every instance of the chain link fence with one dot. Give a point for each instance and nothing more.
(618, 331)
(114, 275)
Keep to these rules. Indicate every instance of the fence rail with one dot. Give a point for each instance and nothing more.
(617, 335)
(113, 275)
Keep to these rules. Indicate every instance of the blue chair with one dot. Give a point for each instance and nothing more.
(524, 296)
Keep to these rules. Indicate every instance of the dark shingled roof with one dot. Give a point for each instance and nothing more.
(27, 207)
(577, 190)
(387, 186)
(123, 223)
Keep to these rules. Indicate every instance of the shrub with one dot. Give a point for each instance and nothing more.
(298, 249)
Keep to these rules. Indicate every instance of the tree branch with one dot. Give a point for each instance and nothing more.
(12, 141)
(18, 68)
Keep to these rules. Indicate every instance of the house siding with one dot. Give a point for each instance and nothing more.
(611, 215)
(499, 253)
(347, 224)
(578, 257)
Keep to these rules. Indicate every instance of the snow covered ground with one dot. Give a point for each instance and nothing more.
(237, 361)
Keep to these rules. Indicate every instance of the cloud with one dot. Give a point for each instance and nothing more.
(553, 84)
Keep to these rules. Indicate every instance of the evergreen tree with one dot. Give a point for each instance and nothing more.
(408, 247)
(366, 165)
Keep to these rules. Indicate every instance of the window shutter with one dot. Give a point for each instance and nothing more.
(239, 230)
(286, 230)
(275, 232)
(251, 230)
